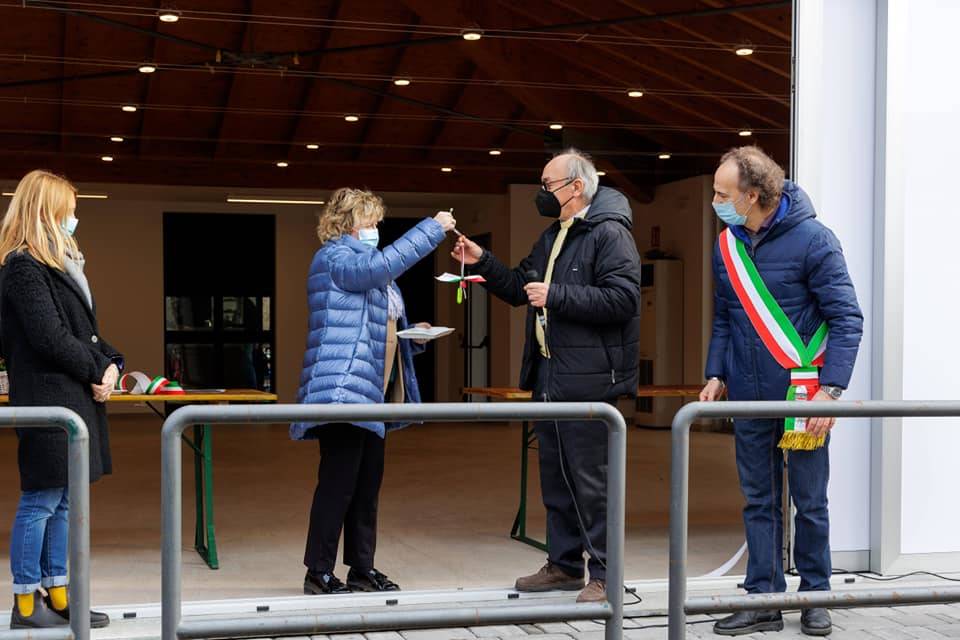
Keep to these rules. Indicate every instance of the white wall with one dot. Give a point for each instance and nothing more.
(931, 351)
(835, 165)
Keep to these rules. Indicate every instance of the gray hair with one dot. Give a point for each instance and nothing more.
(580, 165)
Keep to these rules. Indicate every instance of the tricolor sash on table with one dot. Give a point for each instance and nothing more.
(779, 336)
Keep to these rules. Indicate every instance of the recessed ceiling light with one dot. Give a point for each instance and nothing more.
(556, 126)
(635, 93)
(283, 165)
(107, 158)
(243, 200)
(147, 67)
(402, 82)
(745, 133)
(744, 51)
(471, 35)
(664, 156)
(495, 152)
(446, 169)
(116, 139)
(313, 147)
(129, 108)
(601, 173)
(351, 118)
(168, 15)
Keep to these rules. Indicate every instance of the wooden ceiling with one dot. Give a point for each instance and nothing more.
(244, 84)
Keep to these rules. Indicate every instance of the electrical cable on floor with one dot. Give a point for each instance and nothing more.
(867, 576)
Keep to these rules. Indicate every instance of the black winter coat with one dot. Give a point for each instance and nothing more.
(593, 327)
(53, 352)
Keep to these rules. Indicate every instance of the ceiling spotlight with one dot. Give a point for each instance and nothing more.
(601, 173)
(168, 15)
(556, 126)
(129, 108)
(283, 165)
(351, 118)
(402, 82)
(744, 51)
(107, 158)
(147, 67)
(116, 139)
(635, 93)
(664, 156)
(471, 35)
(495, 152)
(313, 147)
(745, 133)
(446, 169)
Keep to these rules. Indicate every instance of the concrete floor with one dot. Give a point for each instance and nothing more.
(449, 498)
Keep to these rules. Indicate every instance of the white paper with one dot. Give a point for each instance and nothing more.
(416, 333)
(452, 277)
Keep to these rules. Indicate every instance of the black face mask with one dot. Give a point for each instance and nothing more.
(548, 205)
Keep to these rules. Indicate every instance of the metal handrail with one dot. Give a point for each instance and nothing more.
(679, 606)
(78, 480)
(171, 504)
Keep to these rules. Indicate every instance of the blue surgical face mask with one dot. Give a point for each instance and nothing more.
(727, 211)
(369, 236)
(69, 226)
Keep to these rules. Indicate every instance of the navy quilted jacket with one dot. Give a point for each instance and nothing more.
(802, 264)
(346, 343)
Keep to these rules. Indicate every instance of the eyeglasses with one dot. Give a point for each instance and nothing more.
(545, 185)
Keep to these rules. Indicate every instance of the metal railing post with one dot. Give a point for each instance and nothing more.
(78, 479)
(171, 466)
(679, 606)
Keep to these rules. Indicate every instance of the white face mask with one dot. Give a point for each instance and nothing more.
(369, 237)
(69, 225)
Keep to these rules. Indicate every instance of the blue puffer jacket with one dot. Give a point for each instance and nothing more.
(346, 344)
(802, 264)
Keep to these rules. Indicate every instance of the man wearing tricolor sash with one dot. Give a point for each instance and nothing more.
(786, 325)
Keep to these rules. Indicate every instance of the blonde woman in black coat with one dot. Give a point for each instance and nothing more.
(55, 357)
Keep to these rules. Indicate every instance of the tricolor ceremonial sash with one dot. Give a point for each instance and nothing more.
(779, 336)
(144, 385)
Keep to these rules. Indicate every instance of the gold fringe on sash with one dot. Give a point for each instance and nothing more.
(801, 441)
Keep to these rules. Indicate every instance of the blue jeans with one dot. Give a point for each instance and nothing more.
(760, 467)
(38, 542)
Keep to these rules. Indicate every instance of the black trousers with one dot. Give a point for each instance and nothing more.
(573, 463)
(348, 489)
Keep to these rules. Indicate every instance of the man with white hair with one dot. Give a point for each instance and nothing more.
(582, 284)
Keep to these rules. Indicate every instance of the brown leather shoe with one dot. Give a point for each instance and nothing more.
(595, 591)
(549, 578)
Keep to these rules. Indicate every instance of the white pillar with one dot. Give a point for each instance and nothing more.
(834, 164)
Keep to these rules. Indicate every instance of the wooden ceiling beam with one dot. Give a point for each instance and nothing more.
(754, 60)
(653, 70)
(757, 23)
(228, 93)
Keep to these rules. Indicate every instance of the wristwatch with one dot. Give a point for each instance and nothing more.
(833, 392)
(722, 383)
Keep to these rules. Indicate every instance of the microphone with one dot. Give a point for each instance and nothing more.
(533, 275)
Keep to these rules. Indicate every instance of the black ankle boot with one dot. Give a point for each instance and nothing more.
(816, 622)
(41, 618)
(97, 620)
(370, 580)
(323, 583)
(744, 622)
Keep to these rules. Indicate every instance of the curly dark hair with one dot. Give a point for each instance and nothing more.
(757, 171)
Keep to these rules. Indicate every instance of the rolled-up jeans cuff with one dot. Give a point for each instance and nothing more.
(54, 581)
(23, 589)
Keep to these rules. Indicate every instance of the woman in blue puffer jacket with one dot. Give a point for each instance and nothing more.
(353, 357)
